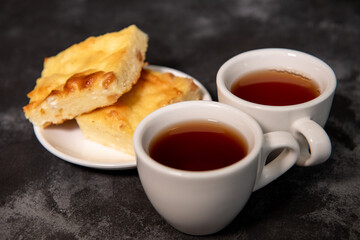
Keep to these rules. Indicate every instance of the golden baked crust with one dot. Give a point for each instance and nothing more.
(86, 76)
(114, 125)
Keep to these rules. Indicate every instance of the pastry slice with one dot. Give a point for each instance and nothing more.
(86, 76)
(114, 126)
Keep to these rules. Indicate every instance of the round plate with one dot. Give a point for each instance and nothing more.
(67, 142)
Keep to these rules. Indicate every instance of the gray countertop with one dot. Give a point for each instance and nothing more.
(44, 197)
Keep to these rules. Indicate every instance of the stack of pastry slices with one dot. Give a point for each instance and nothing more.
(102, 83)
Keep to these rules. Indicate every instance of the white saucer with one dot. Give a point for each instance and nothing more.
(67, 142)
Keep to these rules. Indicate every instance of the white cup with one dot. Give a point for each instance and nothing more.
(204, 202)
(306, 120)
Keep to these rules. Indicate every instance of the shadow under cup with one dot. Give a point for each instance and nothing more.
(305, 120)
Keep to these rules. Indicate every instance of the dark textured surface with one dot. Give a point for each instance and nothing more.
(43, 197)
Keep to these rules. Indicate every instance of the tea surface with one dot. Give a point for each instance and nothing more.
(198, 146)
(275, 88)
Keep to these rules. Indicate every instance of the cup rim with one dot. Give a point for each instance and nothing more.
(330, 89)
(146, 159)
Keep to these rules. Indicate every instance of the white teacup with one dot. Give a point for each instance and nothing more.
(204, 202)
(306, 120)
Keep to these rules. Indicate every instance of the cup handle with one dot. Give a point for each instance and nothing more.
(283, 162)
(311, 136)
